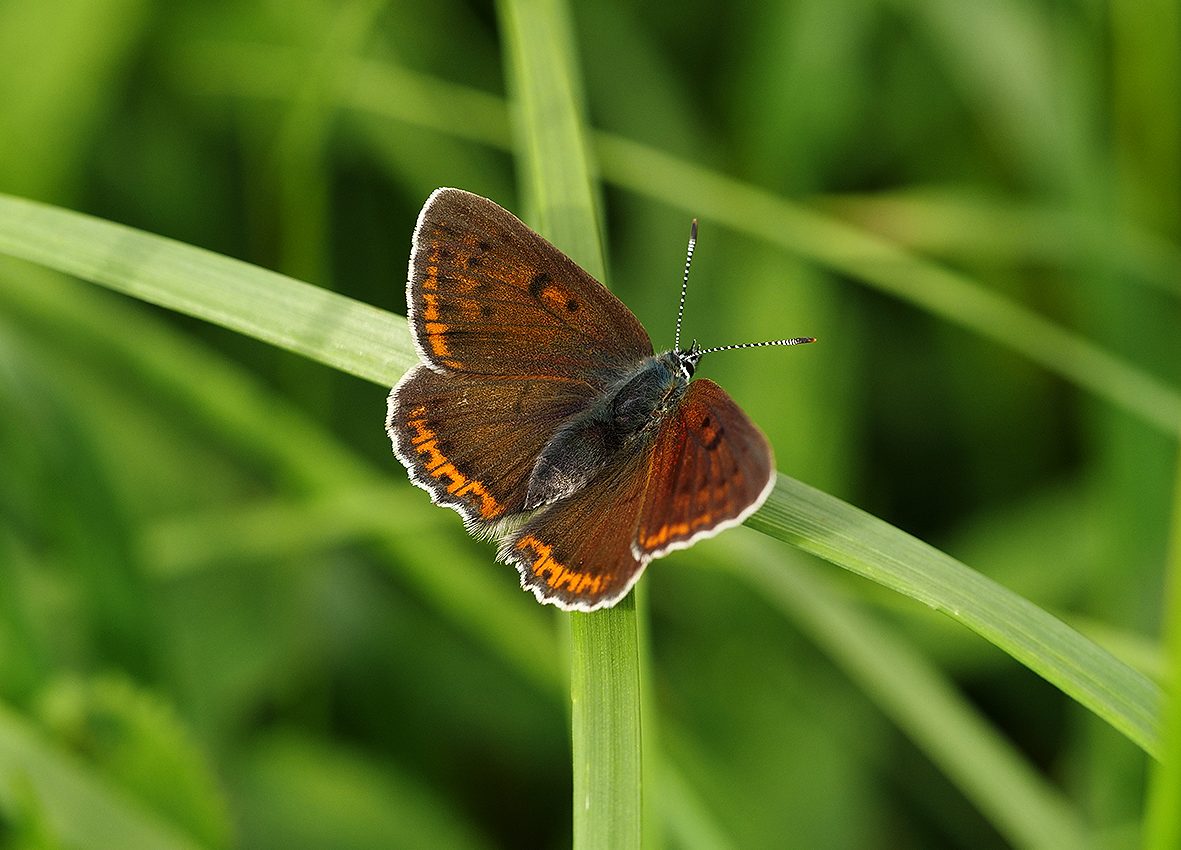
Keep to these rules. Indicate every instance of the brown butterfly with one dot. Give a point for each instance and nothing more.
(541, 413)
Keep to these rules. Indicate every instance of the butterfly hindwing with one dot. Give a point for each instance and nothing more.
(488, 295)
(577, 553)
(471, 440)
(710, 468)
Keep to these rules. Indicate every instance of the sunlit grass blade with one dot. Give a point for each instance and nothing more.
(338, 331)
(605, 690)
(840, 533)
(1162, 829)
(989, 770)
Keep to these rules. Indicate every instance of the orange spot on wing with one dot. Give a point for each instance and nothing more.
(431, 281)
(435, 335)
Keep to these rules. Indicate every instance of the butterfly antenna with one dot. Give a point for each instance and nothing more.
(685, 283)
(799, 340)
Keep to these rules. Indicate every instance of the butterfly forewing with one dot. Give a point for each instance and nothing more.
(710, 468)
(487, 295)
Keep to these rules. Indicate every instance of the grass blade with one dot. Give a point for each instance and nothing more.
(605, 691)
(988, 769)
(1162, 827)
(842, 534)
(295, 316)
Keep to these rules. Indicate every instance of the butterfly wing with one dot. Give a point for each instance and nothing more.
(471, 440)
(709, 469)
(577, 553)
(516, 338)
(487, 295)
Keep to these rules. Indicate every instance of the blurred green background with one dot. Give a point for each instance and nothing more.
(217, 617)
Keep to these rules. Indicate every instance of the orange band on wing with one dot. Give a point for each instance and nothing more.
(438, 465)
(431, 300)
(555, 574)
(674, 531)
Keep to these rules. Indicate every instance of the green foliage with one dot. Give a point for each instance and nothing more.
(138, 741)
(226, 619)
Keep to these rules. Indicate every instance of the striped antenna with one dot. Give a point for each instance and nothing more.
(799, 340)
(685, 283)
(689, 357)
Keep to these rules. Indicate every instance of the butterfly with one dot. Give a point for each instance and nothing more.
(541, 413)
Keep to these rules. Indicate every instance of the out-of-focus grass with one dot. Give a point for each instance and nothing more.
(188, 508)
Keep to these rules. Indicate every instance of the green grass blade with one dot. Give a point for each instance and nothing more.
(605, 690)
(988, 769)
(846, 536)
(1162, 828)
(327, 327)
(967, 226)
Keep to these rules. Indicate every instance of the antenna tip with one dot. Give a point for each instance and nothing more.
(693, 229)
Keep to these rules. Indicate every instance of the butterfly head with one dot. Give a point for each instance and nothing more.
(687, 359)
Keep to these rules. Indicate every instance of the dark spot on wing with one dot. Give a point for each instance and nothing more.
(572, 305)
(538, 284)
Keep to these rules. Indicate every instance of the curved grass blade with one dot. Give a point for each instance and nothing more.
(989, 770)
(295, 316)
(848, 537)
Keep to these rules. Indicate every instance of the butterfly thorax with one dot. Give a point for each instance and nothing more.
(619, 423)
